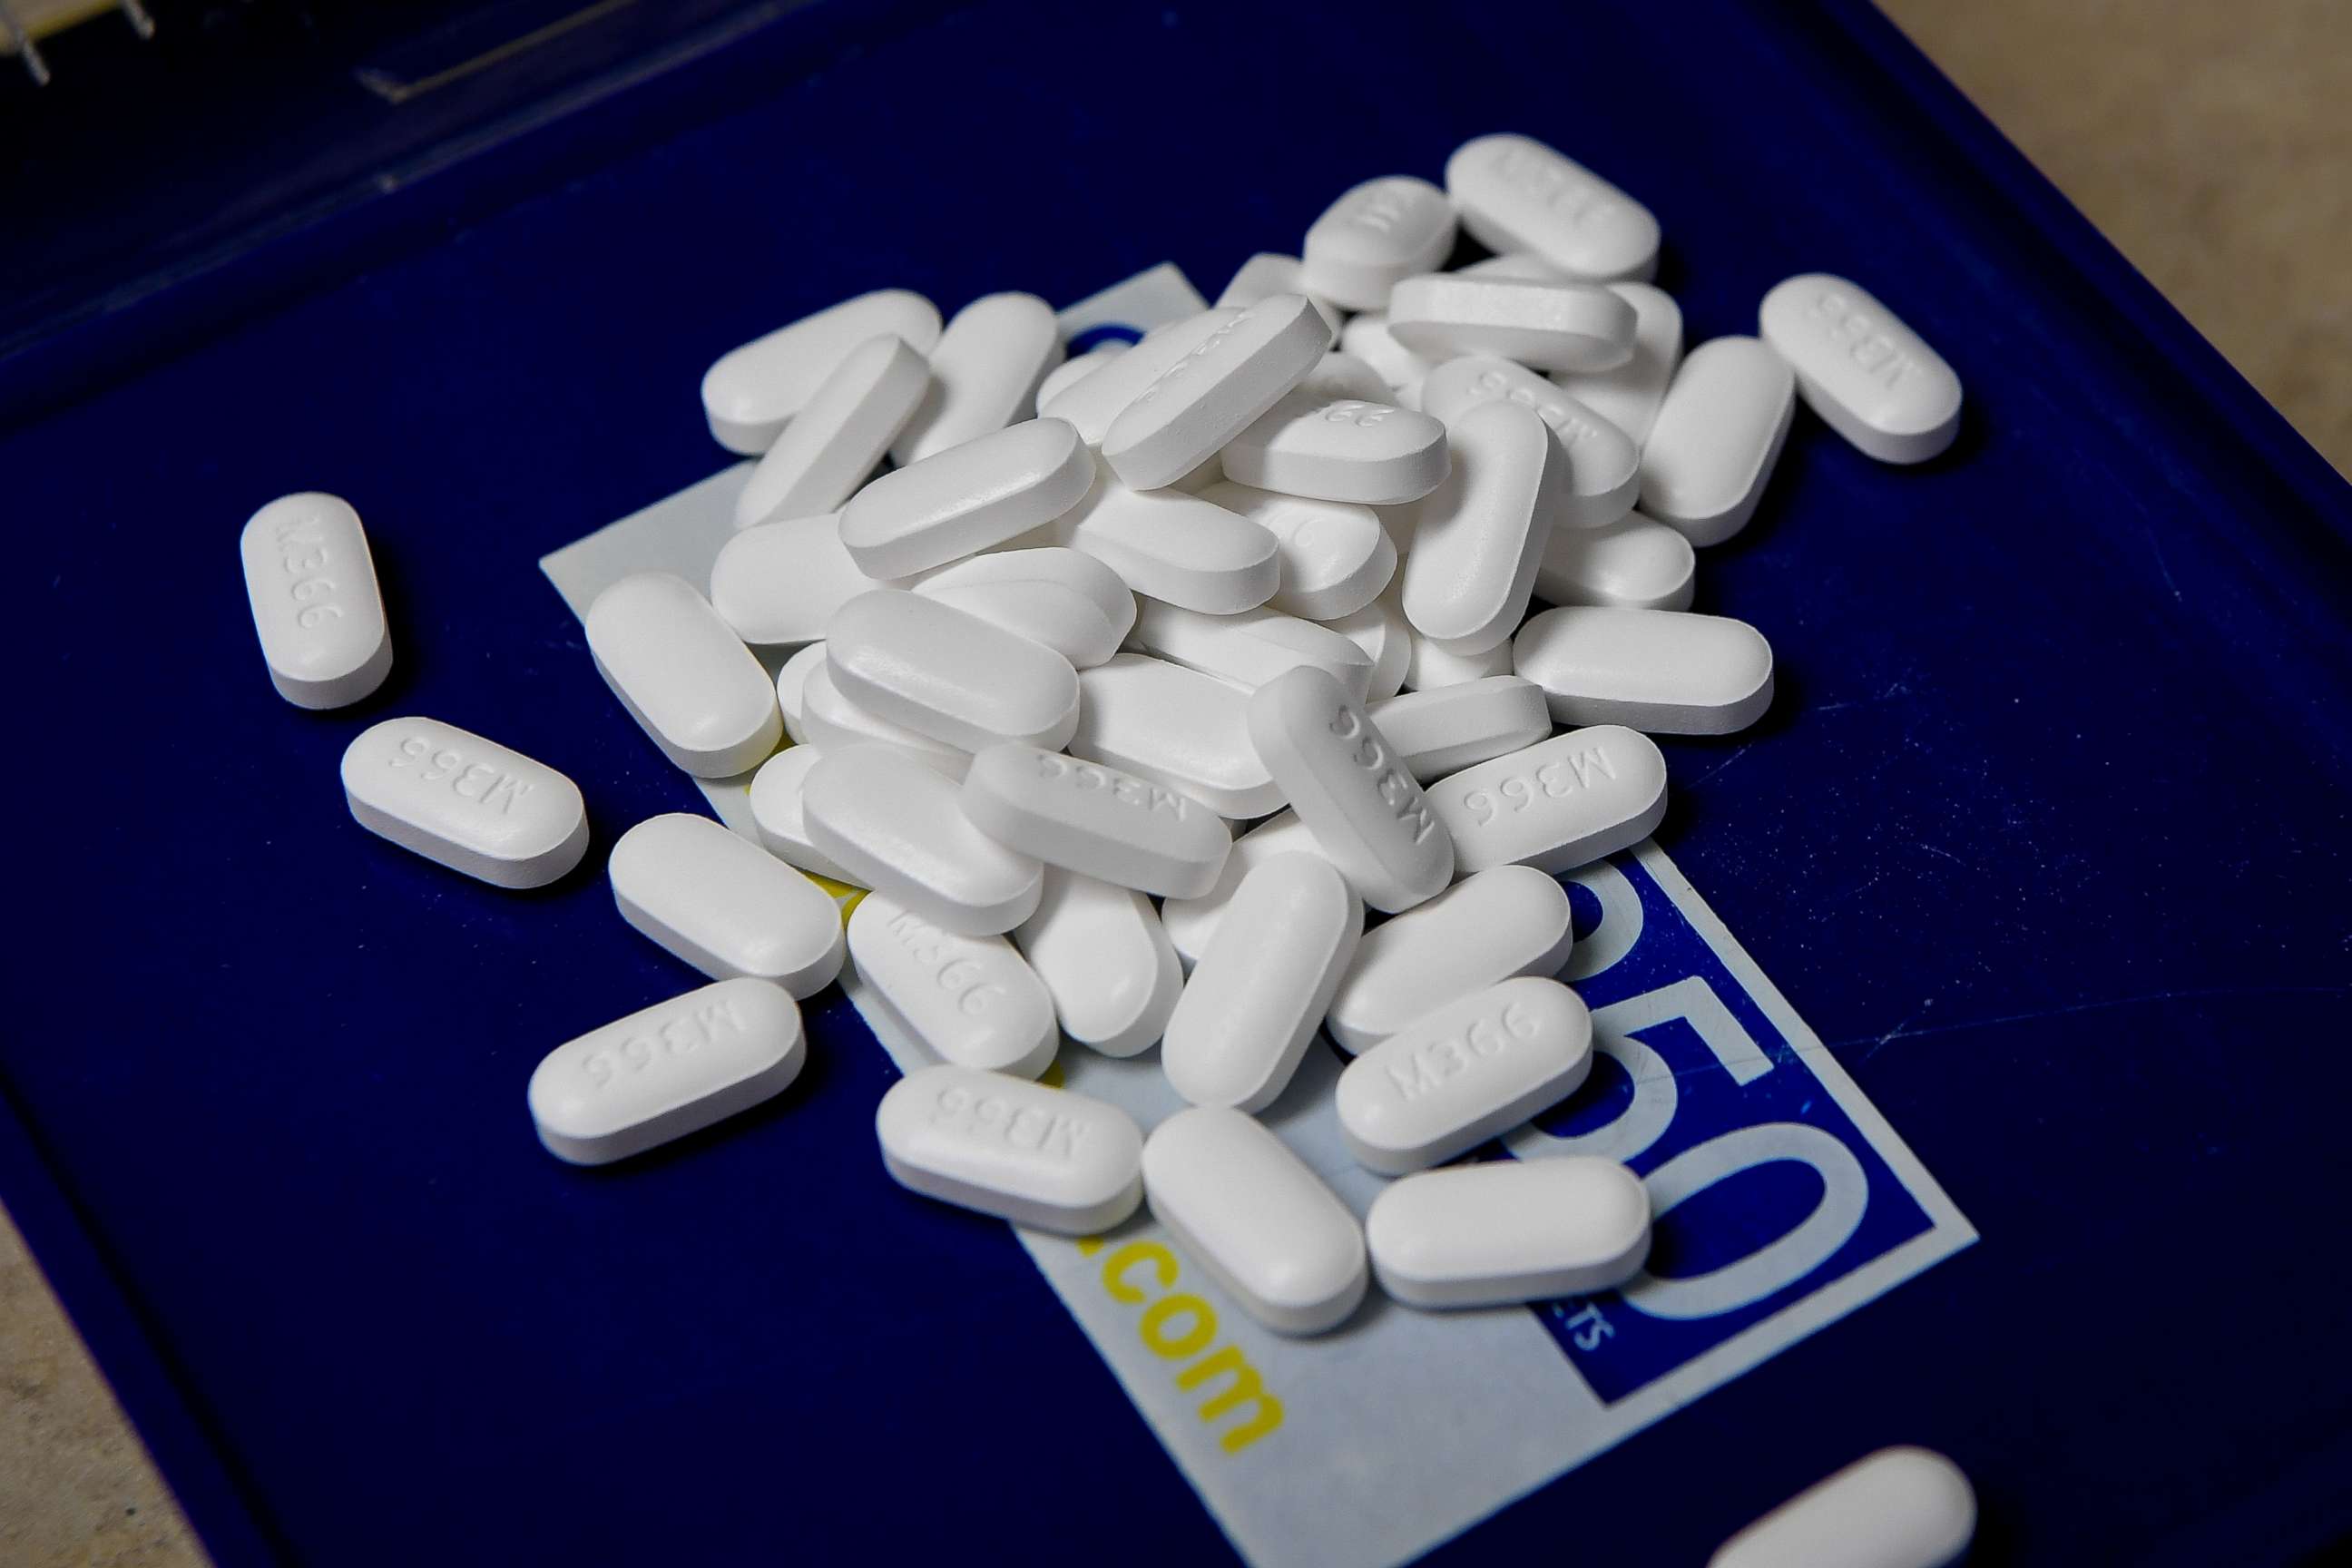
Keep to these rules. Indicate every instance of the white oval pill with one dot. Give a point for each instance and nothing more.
(834, 721)
(1338, 375)
(750, 391)
(1255, 1219)
(832, 445)
(1380, 629)
(1557, 805)
(1105, 961)
(1899, 1508)
(1513, 193)
(1344, 779)
(1443, 730)
(1191, 922)
(1451, 1079)
(1524, 265)
(1434, 667)
(1666, 672)
(472, 805)
(1552, 326)
(776, 792)
(1071, 372)
(959, 501)
(968, 1000)
(684, 676)
(667, 1070)
(1634, 563)
(1176, 547)
(1628, 395)
(777, 584)
(1204, 400)
(1504, 921)
(1009, 587)
(985, 373)
(1092, 404)
(1176, 727)
(1478, 537)
(792, 689)
(1375, 236)
(1872, 379)
(1096, 820)
(942, 672)
(1269, 273)
(1036, 1155)
(1509, 1230)
(1368, 338)
(1249, 648)
(1334, 557)
(1718, 435)
(720, 903)
(1254, 1000)
(317, 609)
(894, 825)
(1604, 466)
(1345, 449)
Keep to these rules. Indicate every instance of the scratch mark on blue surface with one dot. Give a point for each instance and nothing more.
(1719, 767)
(1903, 1031)
(2162, 567)
(1947, 854)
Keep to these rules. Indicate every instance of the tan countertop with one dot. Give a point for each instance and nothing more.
(2211, 141)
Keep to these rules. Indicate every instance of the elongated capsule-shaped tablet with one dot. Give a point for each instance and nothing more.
(985, 373)
(1176, 548)
(792, 689)
(832, 722)
(1071, 372)
(1380, 629)
(1899, 1508)
(1508, 1230)
(1038, 1156)
(1443, 730)
(1343, 778)
(1513, 193)
(894, 825)
(1334, 557)
(472, 805)
(1504, 921)
(1096, 819)
(1367, 336)
(777, 584)
(1451, 1079)
(1339, 448)
(749, 391)
(1269, 273)
(1177, 727)
(1635, 562)
(1249, 648)
(720, 903)
(1255, 997)
(1628, 395)
(1251, 1214)
(942, 672)
(1478, 537)
(776, 792)
(832, 444)
(1339, 374)
(1064, 598)
(683, 676)
(1605, 466)
(1190, 923)
(1433, 666)
(1718, 435)
(968, 1000)
(1551, 326)
(1561, 803)
(1105, 960)
(316, 607)
(1092, 404)
(1872, 379)
(1375, 236)
(961, 500)
(667, 1070)
(1209, 396)
(1666, 672)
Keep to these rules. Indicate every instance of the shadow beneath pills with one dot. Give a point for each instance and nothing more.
(1671, 274)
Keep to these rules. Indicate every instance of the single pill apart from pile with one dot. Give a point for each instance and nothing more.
(1209, 396)
(1872, 379)
(1105, 961)
(1502, 922)
(1249, 648)
(777, 584)
(1514, 193)
(316, 607)
(1343, 449)
(684, 676)
(1718, 435)
(1375, 236)
(1664, 672)
(776, 790)
(467, 802)
(1628, 395)
(667, 1070)
(966, 499)
(1096, 820)
(1478, 537)
(1262, 1225)
(1551, 326)
(1441, 730)
(945, 673)
(1344, 779)
(1557, 805)
(749, 391)
(968, 1000)
(1091, 403)
(1635, 562)
(1898, 1507)
(1510, 1230)
(1254, 1000)
(1177, 727)
(1476, 1067)
(1605, 466)
(1038, 1156)
(1334, 557)
(983, 374)
(896, 827)
(718, 901)
(832, 445)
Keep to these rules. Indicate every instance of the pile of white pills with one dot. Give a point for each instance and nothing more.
(1134, 687)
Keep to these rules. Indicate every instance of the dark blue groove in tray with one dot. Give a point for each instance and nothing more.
(2045, 832)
